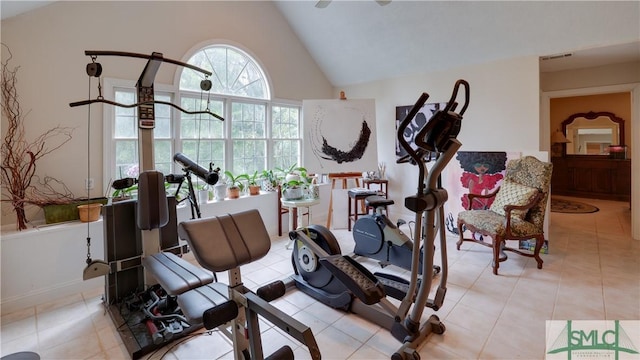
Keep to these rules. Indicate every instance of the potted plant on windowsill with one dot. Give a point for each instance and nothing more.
(203, 193)
(234, 184)
(125, 194)
(220, 189)
(254, 188)
(269, 180)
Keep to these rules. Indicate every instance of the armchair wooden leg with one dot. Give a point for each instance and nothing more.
(460, 234)
(536, 250)
(497, 249)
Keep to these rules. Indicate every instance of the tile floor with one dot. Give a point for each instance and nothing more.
(593, 272)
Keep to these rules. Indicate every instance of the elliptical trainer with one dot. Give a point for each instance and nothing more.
(339, 281)
(376, 237)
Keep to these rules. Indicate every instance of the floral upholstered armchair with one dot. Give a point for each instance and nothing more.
(517, 213)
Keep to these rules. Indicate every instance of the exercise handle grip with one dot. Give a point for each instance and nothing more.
(405, 123)
(452, 104)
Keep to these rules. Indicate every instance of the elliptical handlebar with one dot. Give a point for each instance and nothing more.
(454, 96)
(436, 134)
(414, 155)
(444, 124)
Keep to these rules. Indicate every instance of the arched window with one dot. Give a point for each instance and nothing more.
(258, 132)
(234, 73)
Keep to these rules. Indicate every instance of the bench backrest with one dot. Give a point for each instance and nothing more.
(221, 243)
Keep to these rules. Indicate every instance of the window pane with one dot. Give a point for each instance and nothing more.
(234, 73)
(286, 122)
(208, 151)
(249, 156)
(162, 153)
(125, 96)
(248, 121)
(126, 158)
(286, 153)
(201, 125)
(126, 135)
(163, 118)
(125, 121)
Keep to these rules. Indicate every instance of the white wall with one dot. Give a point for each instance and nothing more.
(52, 257)
(503, 113)
(49, 43)
(614, 74)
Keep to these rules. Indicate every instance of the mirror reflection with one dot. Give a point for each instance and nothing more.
(592, 133)
(592, 137)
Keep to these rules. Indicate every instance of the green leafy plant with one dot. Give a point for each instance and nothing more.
(127, 192)
(235, 180)
(270, 177)
(293, 189)
(291, 170)
(292, 184)
(253, 179)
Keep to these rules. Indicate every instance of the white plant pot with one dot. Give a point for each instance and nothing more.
(290, 177)
(292, 193)
(268, 186)
(219, 191)
(203, 196)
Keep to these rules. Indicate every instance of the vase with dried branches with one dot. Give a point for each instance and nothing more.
(19, 154)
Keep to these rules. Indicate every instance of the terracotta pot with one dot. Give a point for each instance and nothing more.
(233, 192)
(89, 212)
(254, 189)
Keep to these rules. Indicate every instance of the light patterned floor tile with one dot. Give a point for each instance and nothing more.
(591, 273)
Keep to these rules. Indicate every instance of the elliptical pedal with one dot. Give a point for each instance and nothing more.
(397, 288)
(362, 283)
(394, 286)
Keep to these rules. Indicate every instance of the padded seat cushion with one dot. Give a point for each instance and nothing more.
(175, 274)
(225, 242)
(194, 303)
(490, 222)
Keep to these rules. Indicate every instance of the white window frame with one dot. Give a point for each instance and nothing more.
(110, 86)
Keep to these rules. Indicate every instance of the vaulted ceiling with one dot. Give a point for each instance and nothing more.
(361, 41)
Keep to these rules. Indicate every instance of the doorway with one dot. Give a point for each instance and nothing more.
(634, 127)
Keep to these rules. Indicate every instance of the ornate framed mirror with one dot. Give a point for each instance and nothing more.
(592, 133)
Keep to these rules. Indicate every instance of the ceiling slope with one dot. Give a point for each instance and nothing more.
(360, 41)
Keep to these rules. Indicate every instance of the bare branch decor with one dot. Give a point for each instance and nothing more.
(19, 156)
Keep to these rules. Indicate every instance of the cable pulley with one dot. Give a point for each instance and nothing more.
(94, 69)
(205, 85)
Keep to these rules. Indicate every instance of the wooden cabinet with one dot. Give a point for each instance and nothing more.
(592, 177)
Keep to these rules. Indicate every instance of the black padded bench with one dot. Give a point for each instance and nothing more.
(175, 274)
(224, 243)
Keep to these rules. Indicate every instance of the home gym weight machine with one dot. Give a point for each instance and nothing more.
(339, 281)
(127, 283)
(145, 278)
